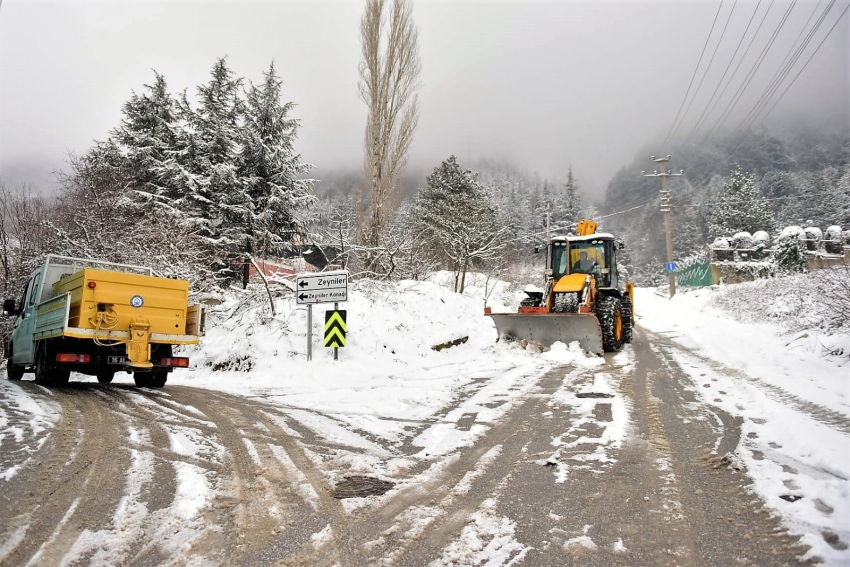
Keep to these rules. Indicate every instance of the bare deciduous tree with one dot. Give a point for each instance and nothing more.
(389, 74)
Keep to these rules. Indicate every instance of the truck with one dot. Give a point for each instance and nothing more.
(98, 318)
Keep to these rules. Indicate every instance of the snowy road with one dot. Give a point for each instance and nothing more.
(617, 463)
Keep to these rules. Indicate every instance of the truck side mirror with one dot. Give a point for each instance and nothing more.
(9, 307)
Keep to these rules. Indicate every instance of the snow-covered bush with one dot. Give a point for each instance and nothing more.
(742, 240)
(832, 242)
(820, 301)
(813, 237)
(790, 231)
(791, 252)
(722, 249)
(761, 239)
(720, 242)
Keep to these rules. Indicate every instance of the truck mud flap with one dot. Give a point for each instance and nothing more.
(550, 328)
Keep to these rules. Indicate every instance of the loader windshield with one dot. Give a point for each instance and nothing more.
(592, 257)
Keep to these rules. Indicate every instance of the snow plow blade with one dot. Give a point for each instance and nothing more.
(549, 328)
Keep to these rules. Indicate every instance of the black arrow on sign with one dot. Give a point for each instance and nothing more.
(303, 284)
(302, 297)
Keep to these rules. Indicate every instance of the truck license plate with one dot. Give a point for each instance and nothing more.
(116, 359)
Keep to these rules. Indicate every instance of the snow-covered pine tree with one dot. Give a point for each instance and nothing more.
(147, 137)
(455, 215)
(568, 207)
(740, 207)
(270, 170)
(215, 195)
(843, 190)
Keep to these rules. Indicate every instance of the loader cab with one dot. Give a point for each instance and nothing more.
(594, 255)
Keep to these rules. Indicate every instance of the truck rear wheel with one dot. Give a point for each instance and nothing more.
(47, 375)
(105, 376)
(150, 379)
(610, 315)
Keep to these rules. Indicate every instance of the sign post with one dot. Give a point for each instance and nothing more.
(309, 332)
(335, 328)
(322, 287)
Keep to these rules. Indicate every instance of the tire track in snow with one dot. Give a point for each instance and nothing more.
(416, 521)
(276, 498)
(49, 501)
(820, 413)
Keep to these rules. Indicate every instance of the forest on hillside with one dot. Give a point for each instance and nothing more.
(793, 177)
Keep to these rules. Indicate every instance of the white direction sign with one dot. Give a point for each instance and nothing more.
(322, 287)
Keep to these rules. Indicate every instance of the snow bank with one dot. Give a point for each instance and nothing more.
(763, 350)
(388, 368)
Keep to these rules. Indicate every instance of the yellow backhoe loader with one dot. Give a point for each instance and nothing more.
(584, 298)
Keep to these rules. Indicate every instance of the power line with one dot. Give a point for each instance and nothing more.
(754, 70)
(786, 65)
(744, 139)
(738, 66)
(741, 202)
(755, 117)
(627, 210)
(744, 35)
(694, 75)
(705, 73)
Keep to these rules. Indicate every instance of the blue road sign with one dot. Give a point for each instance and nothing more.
(671, 266)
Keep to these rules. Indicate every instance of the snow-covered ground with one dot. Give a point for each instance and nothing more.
(387, 376)
(390, 388)
(793, 395)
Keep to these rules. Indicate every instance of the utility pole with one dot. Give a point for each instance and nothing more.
(665, 208)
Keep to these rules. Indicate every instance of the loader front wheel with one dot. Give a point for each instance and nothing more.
(610, 313)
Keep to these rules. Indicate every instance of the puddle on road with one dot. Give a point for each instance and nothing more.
(361, 486)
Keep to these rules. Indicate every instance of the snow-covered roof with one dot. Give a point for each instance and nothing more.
(594, 236)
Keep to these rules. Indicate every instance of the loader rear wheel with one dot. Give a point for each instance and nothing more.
(628, 323)
(610, 314)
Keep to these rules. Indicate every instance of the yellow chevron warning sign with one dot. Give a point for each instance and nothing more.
(335, 328)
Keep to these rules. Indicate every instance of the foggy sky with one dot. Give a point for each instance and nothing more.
(544, 84)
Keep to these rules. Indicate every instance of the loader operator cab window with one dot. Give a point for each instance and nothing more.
(584, 265)
(588, 257)
(559, 260)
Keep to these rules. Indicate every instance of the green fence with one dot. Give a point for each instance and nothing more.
(695, 275)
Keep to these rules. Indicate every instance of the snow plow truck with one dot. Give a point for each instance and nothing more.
(98, 318)
(584, 298)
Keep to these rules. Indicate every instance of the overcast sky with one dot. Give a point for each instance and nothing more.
(544, 84)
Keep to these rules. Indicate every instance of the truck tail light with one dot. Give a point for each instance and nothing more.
(175, 361)
(70, 357)
(92, 285)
